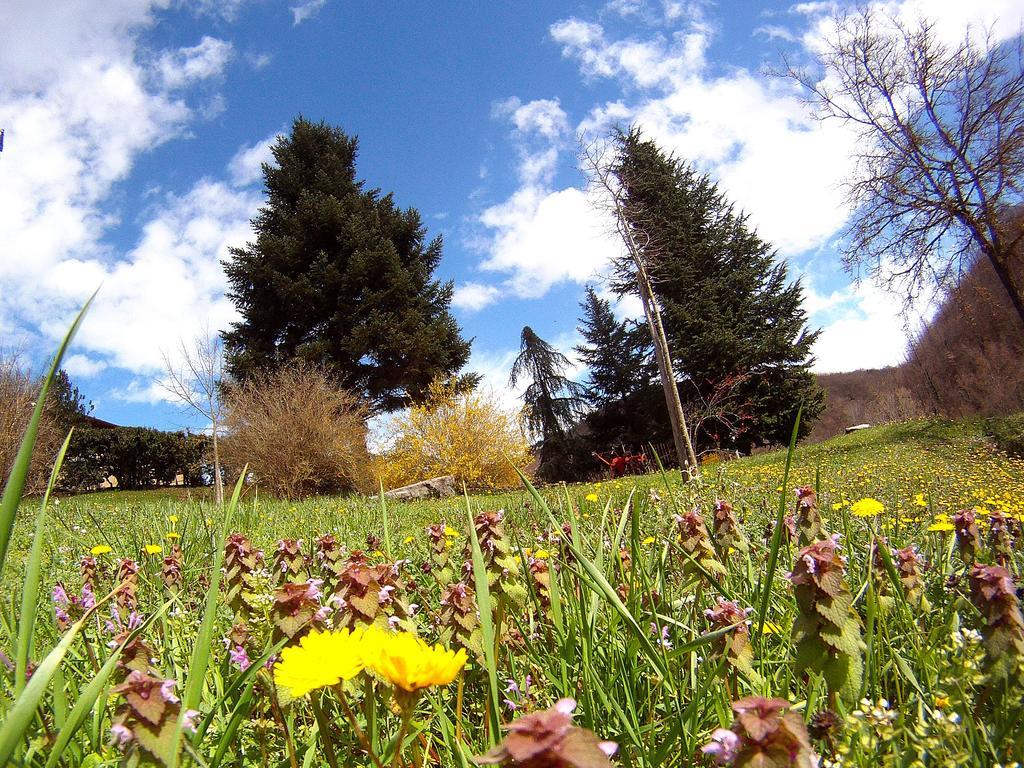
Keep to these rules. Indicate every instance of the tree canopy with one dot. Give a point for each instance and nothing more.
(553, 402)
(341, 277)
(735, 323)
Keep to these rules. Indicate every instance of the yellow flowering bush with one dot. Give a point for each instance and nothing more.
(466, 434)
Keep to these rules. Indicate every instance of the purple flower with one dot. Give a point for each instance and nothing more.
(188, 720)
(88, 598)
(60, 596)
(121, 734)
(167, 691)
(240, 658)
(313, 588)
(723, 747)
(384, 596)
(134, 620)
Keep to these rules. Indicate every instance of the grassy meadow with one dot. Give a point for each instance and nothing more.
(652, 619)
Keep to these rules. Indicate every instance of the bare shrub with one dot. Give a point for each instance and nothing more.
(299, 433)
(18, 392)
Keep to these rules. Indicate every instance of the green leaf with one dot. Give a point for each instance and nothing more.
(773, 557)
(483, 600)
(30, 584)
(204, 640)
(15, 486)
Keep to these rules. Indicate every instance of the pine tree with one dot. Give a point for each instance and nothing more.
(553, 401)
(617, 354)
(339, 276)
(731, 316)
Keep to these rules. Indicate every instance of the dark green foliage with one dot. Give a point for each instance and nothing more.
(735, 324)
(618, 354)
(340, 276)
(138, 457)
(553, 402)
(68, 403)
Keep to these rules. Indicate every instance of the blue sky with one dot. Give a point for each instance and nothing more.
(135, 129)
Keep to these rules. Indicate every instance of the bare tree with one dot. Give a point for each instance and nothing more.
(194, 378)
(940, 151)
(598, 161)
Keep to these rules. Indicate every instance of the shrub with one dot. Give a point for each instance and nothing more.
(465, 434)
(299, 433)
(1007, 433)
(18, 391)
(138, 457)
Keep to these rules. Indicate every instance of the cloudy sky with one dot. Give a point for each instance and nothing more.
(135, 130)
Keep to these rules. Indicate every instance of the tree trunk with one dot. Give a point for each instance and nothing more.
(680, 434)
(1004, 272)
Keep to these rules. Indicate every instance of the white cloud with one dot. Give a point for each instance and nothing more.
(869, 333)
(543, 117)
(306, 10)
(472, 297)
(170, 284)
(542, 238)
(186, 66)
(83, 367)
(246, 167)
(75, 125)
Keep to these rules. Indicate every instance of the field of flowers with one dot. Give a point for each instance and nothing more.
(850, 603)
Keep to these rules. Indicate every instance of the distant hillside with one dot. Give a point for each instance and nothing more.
(968, 361)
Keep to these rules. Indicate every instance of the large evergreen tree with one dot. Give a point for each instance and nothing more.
(553, 402)
(617, 353)
(340, 276)
(734, 321)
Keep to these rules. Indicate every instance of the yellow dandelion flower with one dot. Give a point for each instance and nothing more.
(377, 553)
(771, 628)
(407, 540)
(153, 549)
(941, 525)
(100, 549)
(173, 535)
(449, 531)
(321, 659)
(591, 497)
(542, 554)
(648, 541)
(920, 500)
(867, 508)
(408, 663)
(173, 518)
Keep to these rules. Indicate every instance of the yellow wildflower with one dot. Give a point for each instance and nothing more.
(542, 554)
(100, 549)
(449, 531)
(941, 525)
(173, 518)
(591, 497)
(407, 540)
(920, 500)
(867, 508)
(173, 535)
(648, 541)
(153, 549)
(408, 663)
(321, 659)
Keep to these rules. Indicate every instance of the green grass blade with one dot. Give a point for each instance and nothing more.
(204, 640)
(387, 528)
(773, 557)
(601, 583)
(19, 717)
(483, 601)
(30, 584)
(90, 695)
(15, 486)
